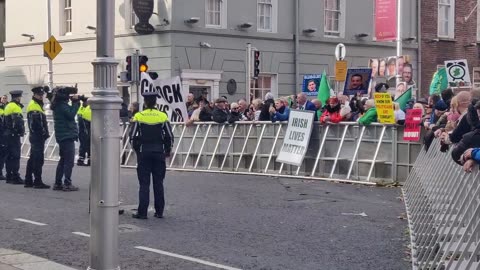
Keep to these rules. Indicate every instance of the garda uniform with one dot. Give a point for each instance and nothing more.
(3, 144)
(14, 129)
(152, 139)
(38, 127)
(84, 118)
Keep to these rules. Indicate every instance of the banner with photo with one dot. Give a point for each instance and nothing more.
(386, 69)
(358, 80)
(311, 84)
(171, 96)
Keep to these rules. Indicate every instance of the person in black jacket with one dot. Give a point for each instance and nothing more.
(66, 133)
(268, 103)
(235, 113)
(220, 114)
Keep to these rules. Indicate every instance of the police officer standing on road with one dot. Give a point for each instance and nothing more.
(152, 140)
(15, 128)
(3, 144)
(38, 126)
(84, 118)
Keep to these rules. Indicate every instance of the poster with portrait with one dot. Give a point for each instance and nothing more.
(358, 81)
(458, 74)
(311, 84)
(400, 89)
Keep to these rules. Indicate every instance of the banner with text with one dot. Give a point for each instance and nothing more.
(412, 125)
(297, 137)
(385, 20)
(384, 105)
(171, 96)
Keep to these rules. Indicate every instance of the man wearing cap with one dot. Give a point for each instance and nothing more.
(15, 128)
(38, 126)
(3, 144)
(84, 118)
(152, 139)
(220, 114)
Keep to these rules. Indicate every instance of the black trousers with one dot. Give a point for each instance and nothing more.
(3, 155)
(36, 160)
(65, 164)
(12, 163)
(84, 148)
(151, 165)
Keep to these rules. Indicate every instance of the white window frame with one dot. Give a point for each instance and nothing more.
(63, 15)
(451, 20)
(223, 15)
(273, 86)
(341, 20)
(130, 18)
(273, 16)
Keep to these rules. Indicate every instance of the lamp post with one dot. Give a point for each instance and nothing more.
(399, 36)
(49, 34)
(105, 137)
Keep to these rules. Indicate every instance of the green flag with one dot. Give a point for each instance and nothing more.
(439, 81)
(324, 90)
(404, 98)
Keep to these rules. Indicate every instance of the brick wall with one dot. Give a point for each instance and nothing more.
(436, 52)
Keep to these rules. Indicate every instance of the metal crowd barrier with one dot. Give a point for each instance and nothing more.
(443, 209)
(343, 152)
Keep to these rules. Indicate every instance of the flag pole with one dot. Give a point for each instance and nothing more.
(399, 36)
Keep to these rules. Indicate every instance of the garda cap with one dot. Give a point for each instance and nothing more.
(149, 94)
(38, 90)
(16, 93)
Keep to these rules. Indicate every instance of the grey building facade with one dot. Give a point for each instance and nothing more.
(204, 42)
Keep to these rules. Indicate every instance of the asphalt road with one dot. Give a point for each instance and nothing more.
(217, 222)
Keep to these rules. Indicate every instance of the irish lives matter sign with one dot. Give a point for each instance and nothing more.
(171, 96)
(412, 125)
(297, 137)
(385, 20)
(384, 105)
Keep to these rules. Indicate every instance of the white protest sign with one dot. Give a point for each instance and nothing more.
(297, 137)
(457, 73)
(171, 96)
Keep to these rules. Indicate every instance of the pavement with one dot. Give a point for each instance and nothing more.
(16, 260)
(215, 221)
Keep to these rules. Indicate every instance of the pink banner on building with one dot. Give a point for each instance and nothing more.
(385, 20)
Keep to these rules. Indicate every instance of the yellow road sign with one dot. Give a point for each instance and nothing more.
(51, 48)
(340, 70)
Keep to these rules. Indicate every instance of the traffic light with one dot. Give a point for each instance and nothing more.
(256, 64)
(142, 64)
(129, 68)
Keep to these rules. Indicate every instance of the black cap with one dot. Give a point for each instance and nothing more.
(16, 93)
(149, 94)
(38, 90)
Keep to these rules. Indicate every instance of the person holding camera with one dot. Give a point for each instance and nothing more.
(15, 128)
(152, 139)
(84, 118)
(38, 126)
(66, 133)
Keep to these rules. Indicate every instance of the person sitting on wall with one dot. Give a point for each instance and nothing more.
(370, 115)
(279, 112)
(332, 111)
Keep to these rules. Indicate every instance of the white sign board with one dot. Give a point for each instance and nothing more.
(297, 137)
(458, 74)
(340, 52)
(171, 97)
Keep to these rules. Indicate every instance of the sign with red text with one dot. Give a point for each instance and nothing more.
(385, 20)
(412, 125)
(384, 106)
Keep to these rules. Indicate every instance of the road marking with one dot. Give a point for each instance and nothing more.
(186, 258)
(30, 221)
(81, 234)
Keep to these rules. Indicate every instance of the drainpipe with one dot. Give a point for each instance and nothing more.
(419, 51)
(297, 46)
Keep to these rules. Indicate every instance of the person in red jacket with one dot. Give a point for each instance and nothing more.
(332, 111)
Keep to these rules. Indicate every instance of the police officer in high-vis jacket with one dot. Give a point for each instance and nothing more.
(152, 140)
(38, 126)
(84, 118)
(15, 128)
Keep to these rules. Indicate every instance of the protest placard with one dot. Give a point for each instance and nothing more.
(297, 137)
(384, 106)
(311, 83)
(412, 125)
(171, 96)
